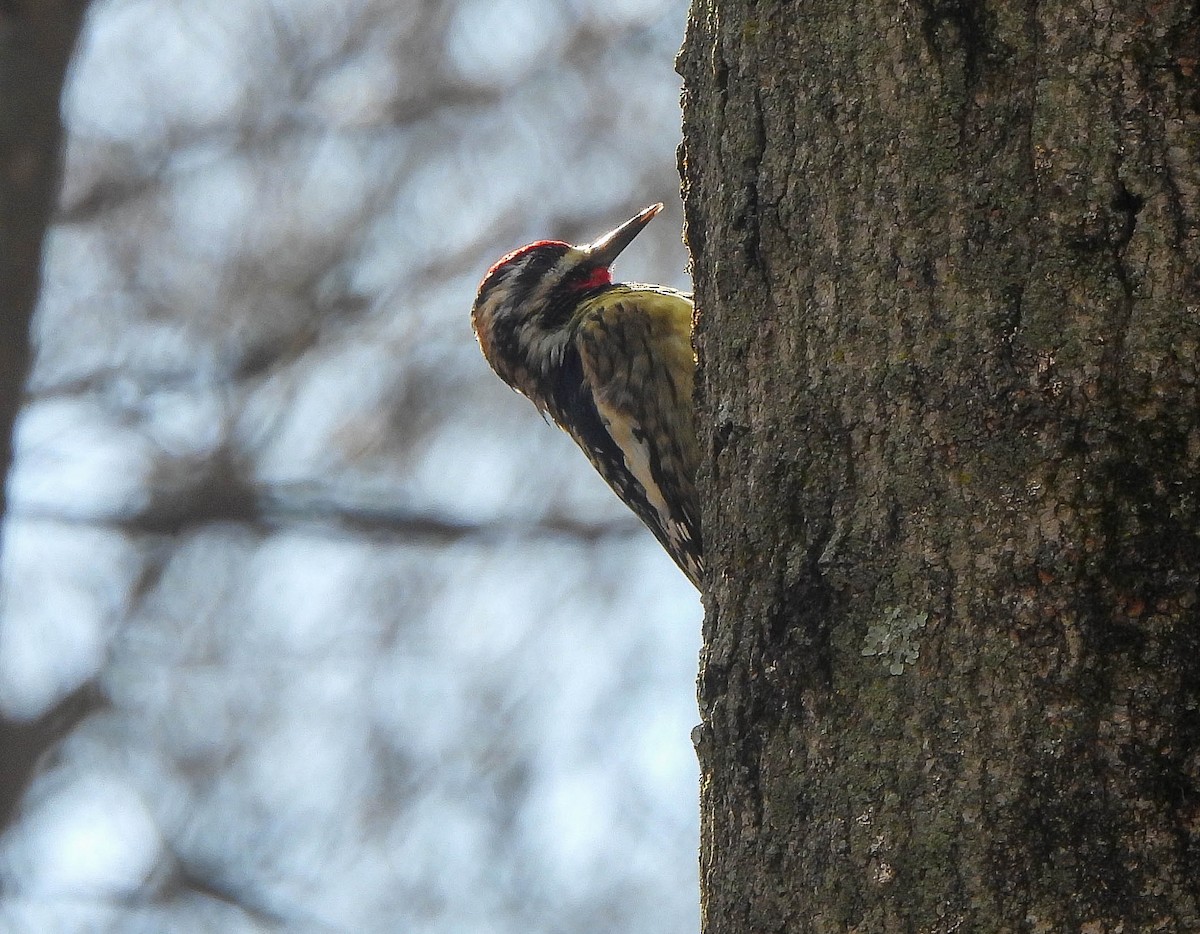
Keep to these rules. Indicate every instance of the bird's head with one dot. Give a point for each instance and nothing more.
(527, 300)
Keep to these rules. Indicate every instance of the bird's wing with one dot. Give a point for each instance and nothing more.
(636, 353)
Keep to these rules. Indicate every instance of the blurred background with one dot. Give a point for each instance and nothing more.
(343, 636)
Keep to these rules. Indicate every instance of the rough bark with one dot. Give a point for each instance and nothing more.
(36, 38)
(947, 268)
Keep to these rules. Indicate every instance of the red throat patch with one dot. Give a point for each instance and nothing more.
(596, 278)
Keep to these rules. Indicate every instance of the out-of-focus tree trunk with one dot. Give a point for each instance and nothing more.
(36, 38)
(947, 268)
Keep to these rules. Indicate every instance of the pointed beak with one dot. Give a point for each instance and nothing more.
(603, 251)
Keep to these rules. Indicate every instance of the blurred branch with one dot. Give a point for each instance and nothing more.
(386, 523)
(25, 743)
(170, 157)
(331, 517)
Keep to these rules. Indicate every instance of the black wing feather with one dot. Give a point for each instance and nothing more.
(572, 405)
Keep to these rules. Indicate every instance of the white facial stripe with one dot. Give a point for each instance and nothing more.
(553, 277)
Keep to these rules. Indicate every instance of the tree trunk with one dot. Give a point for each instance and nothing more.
(36, 38)
(947, 270)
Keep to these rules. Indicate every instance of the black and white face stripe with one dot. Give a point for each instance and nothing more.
(523, 307)
(525, 304)
(538, 274)
(513, 280)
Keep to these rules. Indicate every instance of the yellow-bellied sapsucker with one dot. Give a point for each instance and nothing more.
(612, 364)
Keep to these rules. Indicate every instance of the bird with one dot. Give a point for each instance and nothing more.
(612, 364)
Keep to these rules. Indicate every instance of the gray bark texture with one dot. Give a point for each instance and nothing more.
(36, 39)
(947, 270)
